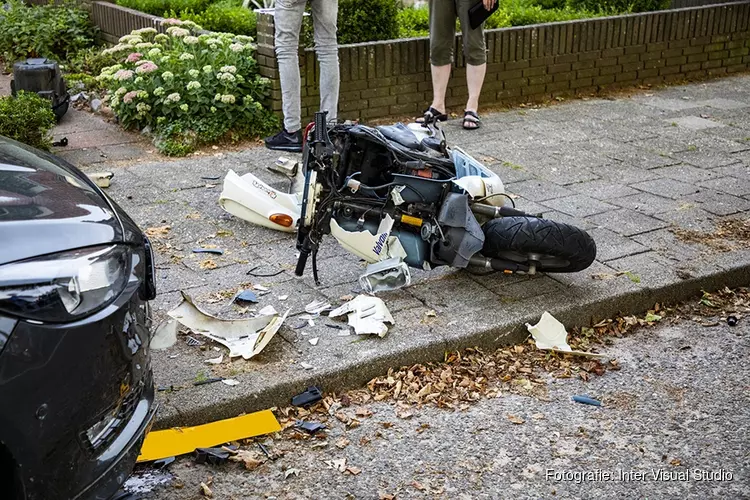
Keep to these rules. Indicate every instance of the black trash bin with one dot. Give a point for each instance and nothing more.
(43, 76)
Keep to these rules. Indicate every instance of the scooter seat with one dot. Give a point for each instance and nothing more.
(401, 134)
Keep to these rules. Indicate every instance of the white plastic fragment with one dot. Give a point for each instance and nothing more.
(230, 381)
(283, 297)
(550, 335)
(366, 314)
(306, 366)
(165, 335)
(389, 274)
(260, 288)
(215, 361)
(102, 179)
(316, 307)
(268, 311)
(314, 341)
(243, 337)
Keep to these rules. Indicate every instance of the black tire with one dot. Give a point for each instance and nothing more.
(563, 248)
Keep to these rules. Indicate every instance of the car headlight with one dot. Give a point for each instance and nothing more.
(65, 286)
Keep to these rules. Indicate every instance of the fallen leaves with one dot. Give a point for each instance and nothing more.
(206, 491)
(338, 464)
(250, 459)
(208, 264)
(157, 232)
(342, 443)
(515, 419)
(728, 235)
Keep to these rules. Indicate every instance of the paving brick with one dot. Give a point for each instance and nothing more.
(731, 185)
(537, 190)
(579, 205)
(610, 245)
(627, 222)
(719, 203)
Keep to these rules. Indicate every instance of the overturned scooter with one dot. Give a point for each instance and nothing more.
(399, 193)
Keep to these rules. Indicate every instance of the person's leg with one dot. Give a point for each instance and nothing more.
(288, 21)
(442, 37)
(325, 13)
(475, 54)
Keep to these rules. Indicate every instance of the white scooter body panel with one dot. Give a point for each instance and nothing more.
(251, 199)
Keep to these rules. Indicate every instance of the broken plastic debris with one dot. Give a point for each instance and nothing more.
(247, 296)
(268, 311)
(291, 471)
(181, 440)
(306, 366)
(309, 427)
(283, 297)
(316, 307)
(367, 315)
(260, 288)
(390, 274)
(215, 251)
(314, 341)
(310, 396)
(165, 335)
(102, 179)
(213, 456)
(731, 320)
(587, 400)
(285, 166)
(230, 382)
(550, 335)
(215, 361)
(193, 341)
(208, 381)
(371, 247)
(243, 337)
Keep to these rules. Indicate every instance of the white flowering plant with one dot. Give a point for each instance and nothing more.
(188, 88)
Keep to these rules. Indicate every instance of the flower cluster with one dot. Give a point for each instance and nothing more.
(184, 80)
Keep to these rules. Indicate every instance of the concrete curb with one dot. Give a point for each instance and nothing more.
(191, 408)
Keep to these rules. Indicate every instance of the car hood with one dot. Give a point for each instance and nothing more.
(48, 206)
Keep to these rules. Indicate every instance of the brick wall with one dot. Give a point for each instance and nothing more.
(531, 63)
(115, 21)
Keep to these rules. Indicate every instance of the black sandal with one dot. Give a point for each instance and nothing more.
(432, 115)
(471, 117)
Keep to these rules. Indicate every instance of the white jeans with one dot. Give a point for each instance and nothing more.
(288, 21)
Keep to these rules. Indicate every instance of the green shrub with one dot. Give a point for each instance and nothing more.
(189, 90)
(53, 31)
(27, 118)
(367, 20)
(618, 6)
(224, 17)
(90, 60)
(413, 22)
(159, 7)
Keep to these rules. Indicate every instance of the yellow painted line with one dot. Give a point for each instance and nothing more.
(181, 440)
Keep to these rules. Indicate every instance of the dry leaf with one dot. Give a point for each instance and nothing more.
(250, 458)
(342, 443)
(206, 491)
(516, 420)
(431, 313)
(675, 461)
(353, 470)
(157, 232)
(418, 485)
(363, 412)
(339, 464)
(404, 414)
(342, 417)
(386, 425)
(208, 264)
(386, 496)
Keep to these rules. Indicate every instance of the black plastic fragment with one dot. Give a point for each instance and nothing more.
(732, 320)
(216, 251)
(210, 177)
(61, 143)
(311, 395)
(213, 456)
(163, 463)
(209, 381)
(309, 427)
(247, 296)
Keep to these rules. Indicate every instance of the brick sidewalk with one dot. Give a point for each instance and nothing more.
(629, 170)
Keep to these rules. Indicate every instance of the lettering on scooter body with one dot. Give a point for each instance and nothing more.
(260, 186)
(379, 244)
